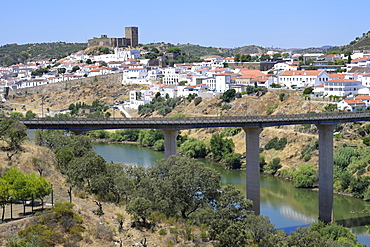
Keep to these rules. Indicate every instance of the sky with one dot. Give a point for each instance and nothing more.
(216, 23)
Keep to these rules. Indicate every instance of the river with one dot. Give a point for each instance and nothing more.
(286, 206)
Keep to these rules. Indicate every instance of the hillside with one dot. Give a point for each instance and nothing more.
(14, 53)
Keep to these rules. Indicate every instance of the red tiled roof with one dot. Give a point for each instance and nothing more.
(354, 102)
(301, 72)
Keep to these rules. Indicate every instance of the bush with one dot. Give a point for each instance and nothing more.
(232, 160)
(159, 145)
(197, 100)
(276, 143)
(273, 166)
(304, 177)
(162, 232)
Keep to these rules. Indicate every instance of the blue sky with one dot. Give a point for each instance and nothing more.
(216, 23)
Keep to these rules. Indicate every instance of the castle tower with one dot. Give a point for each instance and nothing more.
(132, 34)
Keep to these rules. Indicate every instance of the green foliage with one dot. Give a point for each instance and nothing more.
(173, 49)
(197, 100)
(276, 143)
(97, 109)
(273, 166)
(16, 115)
(308, 90)
(13, 133)
(270, 108)
(366, 141)
(160, 104)
(282, 96)
(139, 208)
(39, 72)
(147, 137)
(304, 176)
(220, 147)
(330, 107)
(231, 131)
(14, 53)
(194, 148)
(30, 114)
(232, 160)
(57, 226)
(159, 145)
(228, 96)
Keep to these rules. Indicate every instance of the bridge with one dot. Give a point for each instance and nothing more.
(252, 125)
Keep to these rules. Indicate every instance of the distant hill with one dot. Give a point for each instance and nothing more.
(14, 53)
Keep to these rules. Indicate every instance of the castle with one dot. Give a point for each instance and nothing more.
(131, 39)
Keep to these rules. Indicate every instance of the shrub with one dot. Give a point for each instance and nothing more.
(232, 160)
(276, 143)
(197, 100)
(273, 166)
(304, 176)
(162, 232)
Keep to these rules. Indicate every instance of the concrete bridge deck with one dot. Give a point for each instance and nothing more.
(85, 124)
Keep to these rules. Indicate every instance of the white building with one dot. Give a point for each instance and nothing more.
(342, 87)
(135, 76)
(222, 82)
(302, 79)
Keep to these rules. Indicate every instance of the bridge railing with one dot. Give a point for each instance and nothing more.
(201, 120)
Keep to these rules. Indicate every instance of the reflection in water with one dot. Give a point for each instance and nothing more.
(285, 205)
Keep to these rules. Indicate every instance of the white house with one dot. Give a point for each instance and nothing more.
(172, 76)
(302, 79)
(351, 105)
(135, 76)
(342, 87)
(365, 99)
(284, 67)
(222, 82)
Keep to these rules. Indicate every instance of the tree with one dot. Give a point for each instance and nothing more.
(308, 90)
(174, 49)
(139, 208)
(13, 132)
(151, 56)
(61, 70)
(237, 58)
(88, 61)
(232, 160)
(75, 68)
(220, 147)
(182, 185)
(304, 176)
(228, 96)
(6, 193)
(30, 114)
(194, 148)
(273, 166)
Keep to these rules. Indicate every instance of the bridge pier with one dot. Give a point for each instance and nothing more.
(170, 142)
(326, 162)
(253, 166)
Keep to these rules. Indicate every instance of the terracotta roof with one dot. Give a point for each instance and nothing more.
(354, 102)
(337, 75)
(341, 80)
(363, 97)
(194, 86)
(301, 72)
(321, 85)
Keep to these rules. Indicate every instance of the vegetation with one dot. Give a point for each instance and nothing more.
(56, 226)
(276, 143)
(96, 109)
(15, 185)
(160, 104)
(14, 53)
(178, 187)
